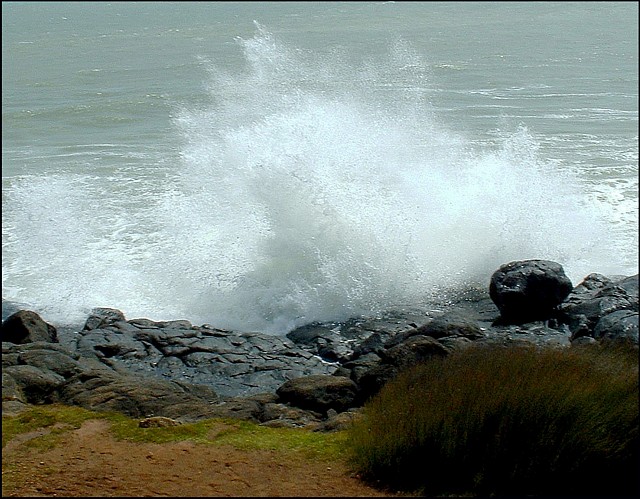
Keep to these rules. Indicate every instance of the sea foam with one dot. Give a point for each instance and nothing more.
(310, 188)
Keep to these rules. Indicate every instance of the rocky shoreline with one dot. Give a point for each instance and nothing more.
(317, 376)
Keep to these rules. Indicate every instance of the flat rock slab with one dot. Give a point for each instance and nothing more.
(232, 363)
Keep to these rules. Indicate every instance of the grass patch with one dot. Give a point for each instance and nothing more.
(243, 435)
(318, 445)
(63, 418)
(239, 434)
(489, 420)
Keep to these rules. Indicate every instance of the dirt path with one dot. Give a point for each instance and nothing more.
(90, 462)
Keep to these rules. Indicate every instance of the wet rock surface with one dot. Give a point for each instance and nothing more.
(309, 377)
(529, 290)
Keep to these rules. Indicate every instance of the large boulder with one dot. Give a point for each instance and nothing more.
(529, 290)
(319, 393)
(26, 326)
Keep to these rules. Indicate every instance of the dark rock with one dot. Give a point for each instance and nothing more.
(343, 341)
(414, 350)
(283, 415)
(342, 371)
(618, 325)
(173, 369)
(309, 334)
(410, 352)
(103, 317)
(38, 385)
(26, 326)
(323, 340)
(60, 363)
(233, 363)
(335, 351)
(361, 365)
(319, 393)
(529, 290)
(451, 324)
(135, 396)
(11, 307)
(595, 297)
(245, 409)
(371, 381)
(630, 285)
(373, 344)
(11, 390)
(339, 421)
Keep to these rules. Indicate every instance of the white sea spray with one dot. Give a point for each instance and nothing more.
(309, 189)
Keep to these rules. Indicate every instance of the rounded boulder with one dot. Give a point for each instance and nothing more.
(529, 290)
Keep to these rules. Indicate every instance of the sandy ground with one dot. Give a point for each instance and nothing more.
(90, 462)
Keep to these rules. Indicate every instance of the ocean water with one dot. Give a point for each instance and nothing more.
(262, 165)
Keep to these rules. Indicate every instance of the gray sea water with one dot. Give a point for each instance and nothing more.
(261, 165)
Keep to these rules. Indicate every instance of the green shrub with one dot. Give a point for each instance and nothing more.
(491, 420)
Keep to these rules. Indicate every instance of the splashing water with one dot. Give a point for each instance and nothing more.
(310, 189)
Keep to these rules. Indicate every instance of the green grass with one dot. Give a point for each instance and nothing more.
(239, 434)
(58, 419)
(506, 421)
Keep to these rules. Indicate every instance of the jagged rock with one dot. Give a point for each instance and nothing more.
(102, 317)
(594, 298)
(319, 393)
(344, 341)
(26, 326)
(234, 363)
(173, 369)
(373, 344)
(529, 290)
(361, 365)
(631, 286)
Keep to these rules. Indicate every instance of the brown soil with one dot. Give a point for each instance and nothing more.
(90, 462)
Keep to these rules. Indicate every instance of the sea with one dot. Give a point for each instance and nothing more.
(259, 166)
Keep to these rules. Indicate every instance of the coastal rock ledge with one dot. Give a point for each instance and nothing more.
(319, 375)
